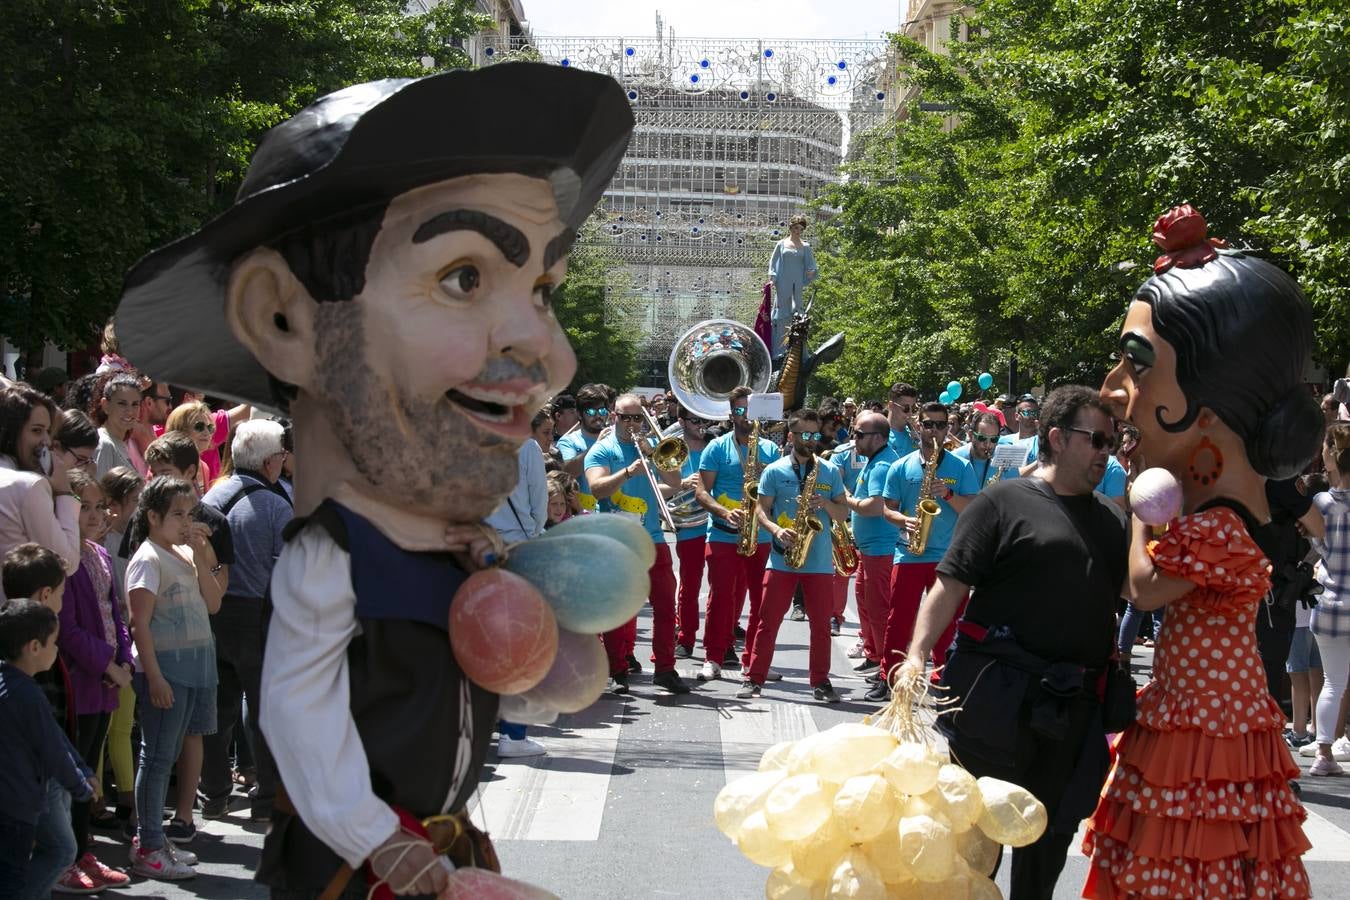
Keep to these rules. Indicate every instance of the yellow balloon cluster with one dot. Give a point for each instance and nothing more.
(855, 813)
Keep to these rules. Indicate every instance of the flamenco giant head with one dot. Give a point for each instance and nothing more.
(385, 274)
(1212, 355)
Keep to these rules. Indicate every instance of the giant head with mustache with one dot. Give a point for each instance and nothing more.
(385, 275)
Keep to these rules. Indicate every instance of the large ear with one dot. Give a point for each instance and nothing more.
(272, 314)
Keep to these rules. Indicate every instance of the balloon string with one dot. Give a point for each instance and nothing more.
(404, 848)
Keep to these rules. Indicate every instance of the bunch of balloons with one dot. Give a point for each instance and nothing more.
(857, 812)
(530, 629)
(954, 391)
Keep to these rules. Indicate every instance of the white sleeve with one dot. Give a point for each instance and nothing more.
(536, 480)
(143, 572)
(306, 699)
(56, 527)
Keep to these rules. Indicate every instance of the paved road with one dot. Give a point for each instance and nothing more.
(622, 805)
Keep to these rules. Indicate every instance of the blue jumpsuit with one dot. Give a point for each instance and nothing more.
(791, 269)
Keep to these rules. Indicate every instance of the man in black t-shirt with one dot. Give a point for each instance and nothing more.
(1046, 558)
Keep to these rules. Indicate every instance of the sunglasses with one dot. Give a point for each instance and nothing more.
(630, 417)
(692, 420)
(907, 410)
(1028, 413)
(208, 427)
(885, 434)
(738, 410)
(808, 435)
(932, 425)
(593, 411)
(1100, 439)
(984, 438)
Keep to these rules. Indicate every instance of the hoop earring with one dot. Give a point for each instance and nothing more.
(1216, 466)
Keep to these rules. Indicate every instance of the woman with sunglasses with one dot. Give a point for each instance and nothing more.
(1212, 354)
(208, 429)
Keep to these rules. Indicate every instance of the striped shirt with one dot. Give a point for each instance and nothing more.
(1331, 617)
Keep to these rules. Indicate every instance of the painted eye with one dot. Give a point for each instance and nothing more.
(461, 281)
(544, 293)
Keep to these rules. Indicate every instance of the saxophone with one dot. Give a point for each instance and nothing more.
(807, 524)
(926, 509)
(844, 550)
(745, 544)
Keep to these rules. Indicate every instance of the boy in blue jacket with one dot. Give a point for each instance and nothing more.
(39, 768)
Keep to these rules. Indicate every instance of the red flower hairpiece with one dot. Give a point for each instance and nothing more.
(1182, 234)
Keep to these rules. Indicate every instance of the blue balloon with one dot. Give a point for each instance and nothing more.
(945, 398)
(986, 381)
(954, 389)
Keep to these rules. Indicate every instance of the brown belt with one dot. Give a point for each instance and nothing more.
(453, 836)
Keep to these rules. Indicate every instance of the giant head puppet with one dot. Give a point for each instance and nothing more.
(385, 275)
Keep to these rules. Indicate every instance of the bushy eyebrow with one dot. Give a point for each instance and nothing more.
(558, 247)
(507, 238)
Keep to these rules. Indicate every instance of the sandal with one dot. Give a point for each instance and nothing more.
(105, 819)
(247, 779)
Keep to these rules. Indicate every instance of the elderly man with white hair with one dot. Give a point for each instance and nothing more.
(258, 511)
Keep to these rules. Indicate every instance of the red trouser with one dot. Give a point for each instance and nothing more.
(619, 641)
(840, 601)
(690, 551)
(730, 577)
(873, 596)
(817, 595)
(908, 582)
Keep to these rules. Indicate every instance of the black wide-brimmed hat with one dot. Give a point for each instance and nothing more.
(363, 145)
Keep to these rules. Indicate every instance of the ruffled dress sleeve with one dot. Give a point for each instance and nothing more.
(1213, 550)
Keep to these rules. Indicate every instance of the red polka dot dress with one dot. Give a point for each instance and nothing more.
(1198, 802)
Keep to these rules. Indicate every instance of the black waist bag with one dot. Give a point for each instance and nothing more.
(989, 695)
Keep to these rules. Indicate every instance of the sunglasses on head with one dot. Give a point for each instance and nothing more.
(1100, 439)
(629, 417)
(808, 435)
(596, 411)
(984, 438)
(932, 425)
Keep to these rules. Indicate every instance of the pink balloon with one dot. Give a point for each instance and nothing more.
(480, 884)
(503, 632)
(1155, 497)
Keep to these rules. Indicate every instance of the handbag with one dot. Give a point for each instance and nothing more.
(1118, 698)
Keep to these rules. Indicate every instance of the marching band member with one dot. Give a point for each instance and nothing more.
(873, 533)
(953, 484)
(780, 491)
(731, 576)
(614, 471)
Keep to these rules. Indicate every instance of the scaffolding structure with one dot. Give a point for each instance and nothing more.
(733, 138)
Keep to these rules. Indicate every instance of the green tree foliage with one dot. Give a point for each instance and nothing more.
(606, 349)
(1015, 220)
(126, 123)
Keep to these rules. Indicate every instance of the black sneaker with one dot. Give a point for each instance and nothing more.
(870, 665)
(835, 624)
(128, 830)
(749, 690)
(217, 808)
(683, 652)
(825, 693)
(618, 683)
(875, 677)
(878, 693)
(670, 682)
(180, 832)
(739, 632)
(798, 614)
(731, 660)
(633, 665)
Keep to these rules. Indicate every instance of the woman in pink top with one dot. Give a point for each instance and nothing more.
(36, 503)
(208, 431)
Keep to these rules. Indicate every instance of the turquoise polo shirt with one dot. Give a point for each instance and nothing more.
(873, 534)
(902, 485)
(782, 481)
(634, 497)
(722, 457)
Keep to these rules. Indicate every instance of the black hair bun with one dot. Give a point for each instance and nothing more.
(1287, 438)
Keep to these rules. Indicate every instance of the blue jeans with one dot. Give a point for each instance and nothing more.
(16, 845)
(510, 730)
(162, 732)
(54, 845)
(1129, 627)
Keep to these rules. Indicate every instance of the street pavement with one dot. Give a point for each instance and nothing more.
(621, 807)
